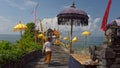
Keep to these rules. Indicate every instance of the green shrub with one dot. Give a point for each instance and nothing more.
(13, 52)
(9, 52)
(5, 45)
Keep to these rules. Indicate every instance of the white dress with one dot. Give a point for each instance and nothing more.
(47, 46)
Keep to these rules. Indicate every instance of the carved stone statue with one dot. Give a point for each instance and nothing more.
(108, 54)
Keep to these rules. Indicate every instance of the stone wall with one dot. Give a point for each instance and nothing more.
(73, 63)
(24, 60)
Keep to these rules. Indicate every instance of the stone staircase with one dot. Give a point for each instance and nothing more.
(60, 59)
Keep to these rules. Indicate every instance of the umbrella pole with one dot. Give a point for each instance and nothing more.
(70, 48)
(85, 44)
(21, 32)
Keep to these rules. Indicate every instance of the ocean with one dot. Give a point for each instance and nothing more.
(91, 40)
(9, 37)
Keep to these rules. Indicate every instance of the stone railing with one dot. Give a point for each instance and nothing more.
(23, 61)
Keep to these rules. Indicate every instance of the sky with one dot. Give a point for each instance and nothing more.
(13, 11)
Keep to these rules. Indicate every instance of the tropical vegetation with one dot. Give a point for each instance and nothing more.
(14, 52)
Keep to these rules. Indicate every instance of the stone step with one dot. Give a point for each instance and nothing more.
(117, 61)
(117, 55)
(117, 50)
(59, 59)
(115, 66)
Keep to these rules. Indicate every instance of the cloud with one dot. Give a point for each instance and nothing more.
(21, 4)
(3, 19)
(6, 26)
(49, 23)
(52, 23)
(93, 26)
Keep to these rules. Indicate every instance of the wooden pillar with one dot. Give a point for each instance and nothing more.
(70, 48)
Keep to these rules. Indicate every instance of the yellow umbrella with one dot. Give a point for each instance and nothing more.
(20, 27)
(65, 38)
(86, 33)
(41, 36)
(74, 39)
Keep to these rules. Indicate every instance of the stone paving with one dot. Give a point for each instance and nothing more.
(60, 59)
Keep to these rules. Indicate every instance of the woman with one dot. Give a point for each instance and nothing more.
(48, 50)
